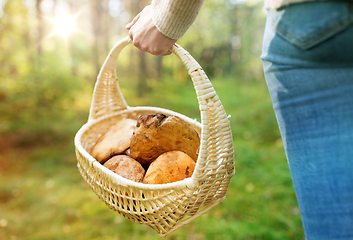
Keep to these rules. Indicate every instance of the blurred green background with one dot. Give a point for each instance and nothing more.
(50, 55)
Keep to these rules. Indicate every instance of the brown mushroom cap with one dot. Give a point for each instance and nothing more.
(157, 134)
(114, 141)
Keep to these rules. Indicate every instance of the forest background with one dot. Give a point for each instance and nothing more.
(50, 54)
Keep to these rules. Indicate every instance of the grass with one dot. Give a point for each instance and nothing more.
(43, 196)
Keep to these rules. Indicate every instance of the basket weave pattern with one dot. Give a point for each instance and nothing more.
(163, 207)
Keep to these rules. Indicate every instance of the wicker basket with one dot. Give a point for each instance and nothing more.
(163, 207)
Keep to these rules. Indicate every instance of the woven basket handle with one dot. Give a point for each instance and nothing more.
(107, 98)
(216, 154)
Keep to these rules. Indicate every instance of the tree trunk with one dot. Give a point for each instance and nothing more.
(71, 44)
(40, 27)
(96, 10)
(136, 7)
(142, 86)
(159, 60)
(106, 28)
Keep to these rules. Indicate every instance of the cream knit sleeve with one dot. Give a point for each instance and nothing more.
(174, 17)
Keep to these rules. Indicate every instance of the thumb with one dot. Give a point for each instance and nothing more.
(129, 25)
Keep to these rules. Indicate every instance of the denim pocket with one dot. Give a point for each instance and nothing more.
(308, 24)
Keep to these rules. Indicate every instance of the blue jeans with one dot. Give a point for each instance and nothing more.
(308, 66)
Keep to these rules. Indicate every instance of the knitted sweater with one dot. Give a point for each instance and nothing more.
(174, 17)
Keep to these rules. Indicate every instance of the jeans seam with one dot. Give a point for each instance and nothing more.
(342, 23)
(345, 22)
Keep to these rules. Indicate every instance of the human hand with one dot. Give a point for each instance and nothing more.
(145, 35)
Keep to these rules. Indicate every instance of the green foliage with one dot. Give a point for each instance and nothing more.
(40, 98)
(37, 91)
